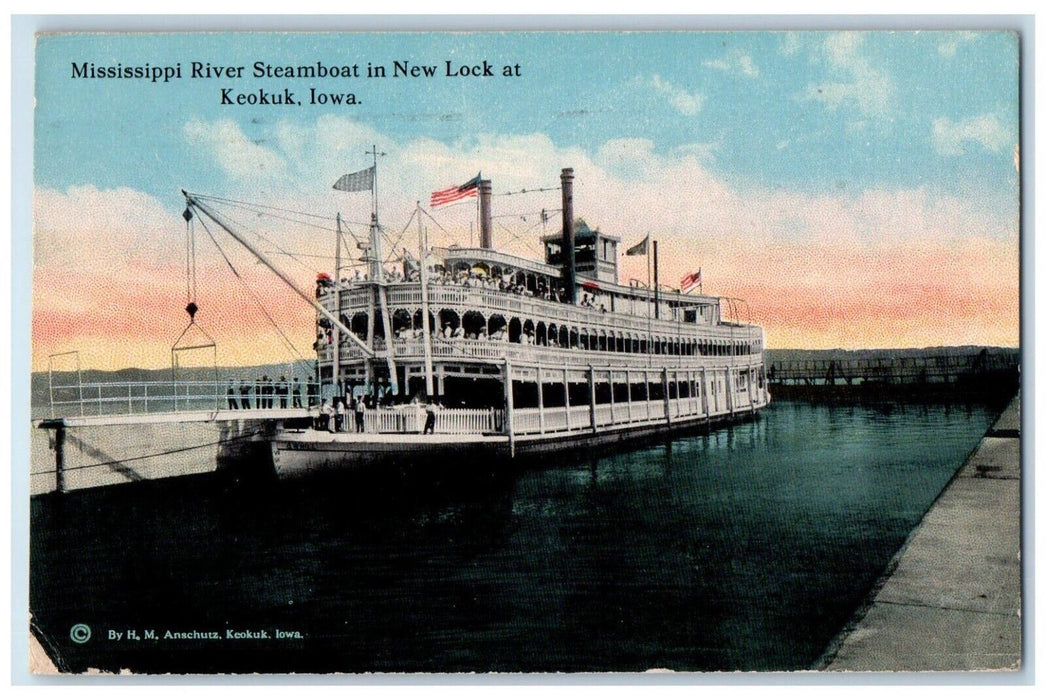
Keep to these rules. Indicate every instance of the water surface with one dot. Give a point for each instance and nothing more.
(744, 549)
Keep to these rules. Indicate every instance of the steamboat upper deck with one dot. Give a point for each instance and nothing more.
(484, 323)
(486, 308)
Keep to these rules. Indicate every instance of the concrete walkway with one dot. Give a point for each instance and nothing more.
(951, 598)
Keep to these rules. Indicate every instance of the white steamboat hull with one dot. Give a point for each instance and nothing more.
(296, 453)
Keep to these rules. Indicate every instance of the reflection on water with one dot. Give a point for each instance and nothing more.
(746, 548)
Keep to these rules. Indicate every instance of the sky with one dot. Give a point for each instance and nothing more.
(857, 190)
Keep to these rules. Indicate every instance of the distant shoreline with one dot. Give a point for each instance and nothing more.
(772, 355)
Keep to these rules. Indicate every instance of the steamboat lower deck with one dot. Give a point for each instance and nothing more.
(689, 400)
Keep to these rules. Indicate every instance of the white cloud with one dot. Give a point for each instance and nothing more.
(735, 62)
(290, 140)
(949, 42)
(747, 66)
(87, 228)
(688, 103)
(704, 152)
(675, 188)
(790, 45)
(951, 138)
(232, 150)
(865, 86)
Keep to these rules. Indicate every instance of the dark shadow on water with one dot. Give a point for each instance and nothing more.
(746, 548)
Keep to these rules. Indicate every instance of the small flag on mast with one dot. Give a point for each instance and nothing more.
(690, 281)
(456, 193)
(356, 182)
(639, 248)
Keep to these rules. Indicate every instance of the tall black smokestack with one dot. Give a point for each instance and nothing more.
(485, 238)
(566, 179)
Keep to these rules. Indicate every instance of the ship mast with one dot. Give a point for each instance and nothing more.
(336, 371)
(426, 332)
(378, 272)
(194, 203)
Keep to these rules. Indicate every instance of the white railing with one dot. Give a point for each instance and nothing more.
(580, 417)
(394, 420)
(134, 397)
(555, 420)
(413, 349)
(529, 420)
(411, 419)
(656, 409)
(468, 255)
(533, 421)
(487, 301)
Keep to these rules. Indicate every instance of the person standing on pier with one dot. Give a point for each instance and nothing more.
(416, 410)
(282, 390)
(430, 418)
(245, 394)
(339, 416)
(327, 416)
(231, 393)
(270, 390)
(360, 407)
(296, 393)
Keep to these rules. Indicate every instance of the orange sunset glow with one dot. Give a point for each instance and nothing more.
(947, 274)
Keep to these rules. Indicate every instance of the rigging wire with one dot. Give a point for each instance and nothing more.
(295, 256)
(329, 258)
(255, 299)
(526, 191)
(268, 206)
(433, 220)
(247, 229)
(450, 238)
(399, 238)
(521, 240)
(348, 247)
(188, 258)
(331, 229)
(190, 272)
(393, 246)
(257, 208)
(522, 215)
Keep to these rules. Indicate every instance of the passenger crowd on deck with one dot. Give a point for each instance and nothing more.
(344, 414)
(470, 278)
(454, 330)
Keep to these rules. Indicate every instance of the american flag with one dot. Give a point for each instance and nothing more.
(690, 281)
(356, 182)
(455, 193)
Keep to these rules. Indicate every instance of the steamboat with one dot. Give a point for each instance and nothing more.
(471, 352)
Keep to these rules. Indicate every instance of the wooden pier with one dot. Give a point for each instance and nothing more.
(78, 452)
